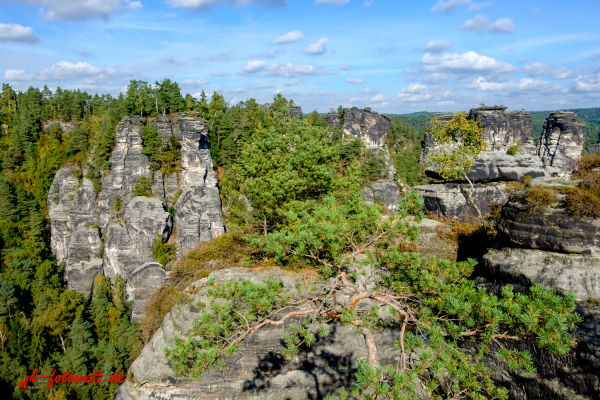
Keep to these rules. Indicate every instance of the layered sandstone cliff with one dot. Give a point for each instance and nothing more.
(113, 232)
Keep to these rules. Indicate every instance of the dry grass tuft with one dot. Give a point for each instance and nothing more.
(585, 165)
(539, 197)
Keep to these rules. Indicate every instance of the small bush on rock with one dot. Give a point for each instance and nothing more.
(539, 197)
(142, 187)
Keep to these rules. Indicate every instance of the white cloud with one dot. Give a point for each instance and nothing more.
(378, 97)
(368, 3)
(386, 48)
(534, 10)
(220, 73)
(469, 63)
(502, 25)
(225, 56)
(355, 81)
(346, 67)
(369, 91)
(335, 2)
(17, 75)
(479, 23)
(595, 56)
(288, 37)
(290, 83)
(81, 10)
(17, 33)
(195, 82)
(436, 46)
(252, 67)
(449, 5)
(263, 86)
(288, 70)
(316, 48)
(64, 70)
(269, 55)
(84, 53)
(478, 6)
(206, 5)
(236, 90)
(550, 71)
(586, 83)
(520, 86)
(170, 60)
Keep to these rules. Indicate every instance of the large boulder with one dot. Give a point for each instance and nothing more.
(257, 370)
(198, 217)
(574, 375)
(562, 140)
(449, 200)
(145, 280)
(575, 273)
(550, 228)
(493, 166)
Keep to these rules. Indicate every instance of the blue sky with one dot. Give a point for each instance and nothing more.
(394, 56)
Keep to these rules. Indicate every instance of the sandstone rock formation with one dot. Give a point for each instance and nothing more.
(372, 129)
(558, 251)
(91, 235)
(295, 111)
(551, 229)
(502, 129)
(257, 370)
(333, 119)
(554, 154)
(562, 140)
(449, 200)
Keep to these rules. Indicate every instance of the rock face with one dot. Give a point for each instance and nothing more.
(256, 370)
(575, 375)
(333, 119)
(91, 235)
(562, 140)
(575, 273)
(75, 239)
(502, 129)
(559, 147)
(372, 129)
(551, 229)
(295, 111)
(448, 200)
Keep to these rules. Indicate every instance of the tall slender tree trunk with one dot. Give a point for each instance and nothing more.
(470, 200)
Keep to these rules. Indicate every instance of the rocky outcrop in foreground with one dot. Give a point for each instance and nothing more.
(552, 248)
(114, 232)
(257, 370)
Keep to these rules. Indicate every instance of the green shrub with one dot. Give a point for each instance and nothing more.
(142, 187)
(512, 150)
(164, 253)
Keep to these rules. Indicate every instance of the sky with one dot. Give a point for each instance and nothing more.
(395, 56)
